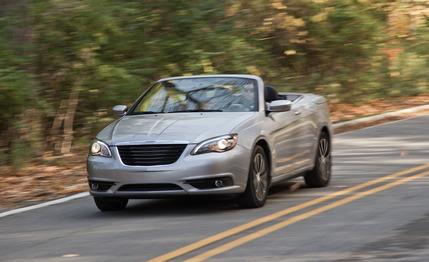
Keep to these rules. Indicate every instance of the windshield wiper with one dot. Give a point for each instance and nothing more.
(196, 110)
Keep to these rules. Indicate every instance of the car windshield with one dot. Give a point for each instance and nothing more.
(208, 94)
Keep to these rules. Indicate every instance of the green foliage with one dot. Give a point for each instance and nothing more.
(109, 51)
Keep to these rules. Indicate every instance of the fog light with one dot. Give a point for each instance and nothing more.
(100, 186)
(94, 186)
(218, 183)
(211, 183)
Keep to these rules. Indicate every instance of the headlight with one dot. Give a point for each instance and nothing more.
(217, 144)
(99, 148)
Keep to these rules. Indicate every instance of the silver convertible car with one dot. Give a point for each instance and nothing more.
(210, 134)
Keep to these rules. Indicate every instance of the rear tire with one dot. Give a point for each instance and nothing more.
(106, 204)
(257, 182)
(321, 173)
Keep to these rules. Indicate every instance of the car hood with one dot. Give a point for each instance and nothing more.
(173, 127)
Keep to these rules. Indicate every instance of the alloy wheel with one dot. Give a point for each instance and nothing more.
(324, 158)
(260, 173)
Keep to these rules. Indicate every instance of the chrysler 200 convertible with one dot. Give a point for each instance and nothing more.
(210, 134)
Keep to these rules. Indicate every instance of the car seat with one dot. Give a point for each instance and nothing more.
(271, 94)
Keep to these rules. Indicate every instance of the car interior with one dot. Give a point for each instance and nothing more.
(271, 94)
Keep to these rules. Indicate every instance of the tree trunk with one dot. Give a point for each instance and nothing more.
(55, 136)
(69, 119)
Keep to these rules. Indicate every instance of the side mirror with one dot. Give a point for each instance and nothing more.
(120, 110)
(279, 106)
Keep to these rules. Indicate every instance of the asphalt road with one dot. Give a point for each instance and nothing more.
(384, 218)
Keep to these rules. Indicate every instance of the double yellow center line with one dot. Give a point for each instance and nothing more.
(267, 230)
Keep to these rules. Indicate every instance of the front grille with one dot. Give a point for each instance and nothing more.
(150, 155)
(150, 187)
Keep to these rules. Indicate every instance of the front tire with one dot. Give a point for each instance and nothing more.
(321, 173)
(106, 204)
(257, 182)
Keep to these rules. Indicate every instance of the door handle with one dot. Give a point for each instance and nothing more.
(297, 112)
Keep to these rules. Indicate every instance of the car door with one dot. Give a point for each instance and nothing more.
(306, 138)
(285, 135)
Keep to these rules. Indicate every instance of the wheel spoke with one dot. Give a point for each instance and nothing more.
(326, 147)
(255, 184)
(255, 164)
(262, 165)
(258, 161)
(323, 147)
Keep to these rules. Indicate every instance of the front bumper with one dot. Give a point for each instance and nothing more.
(232, 165)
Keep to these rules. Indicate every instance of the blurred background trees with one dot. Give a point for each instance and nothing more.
(65, 63)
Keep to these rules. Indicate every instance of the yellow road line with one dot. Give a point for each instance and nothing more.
(297, 218)
(238, 229)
